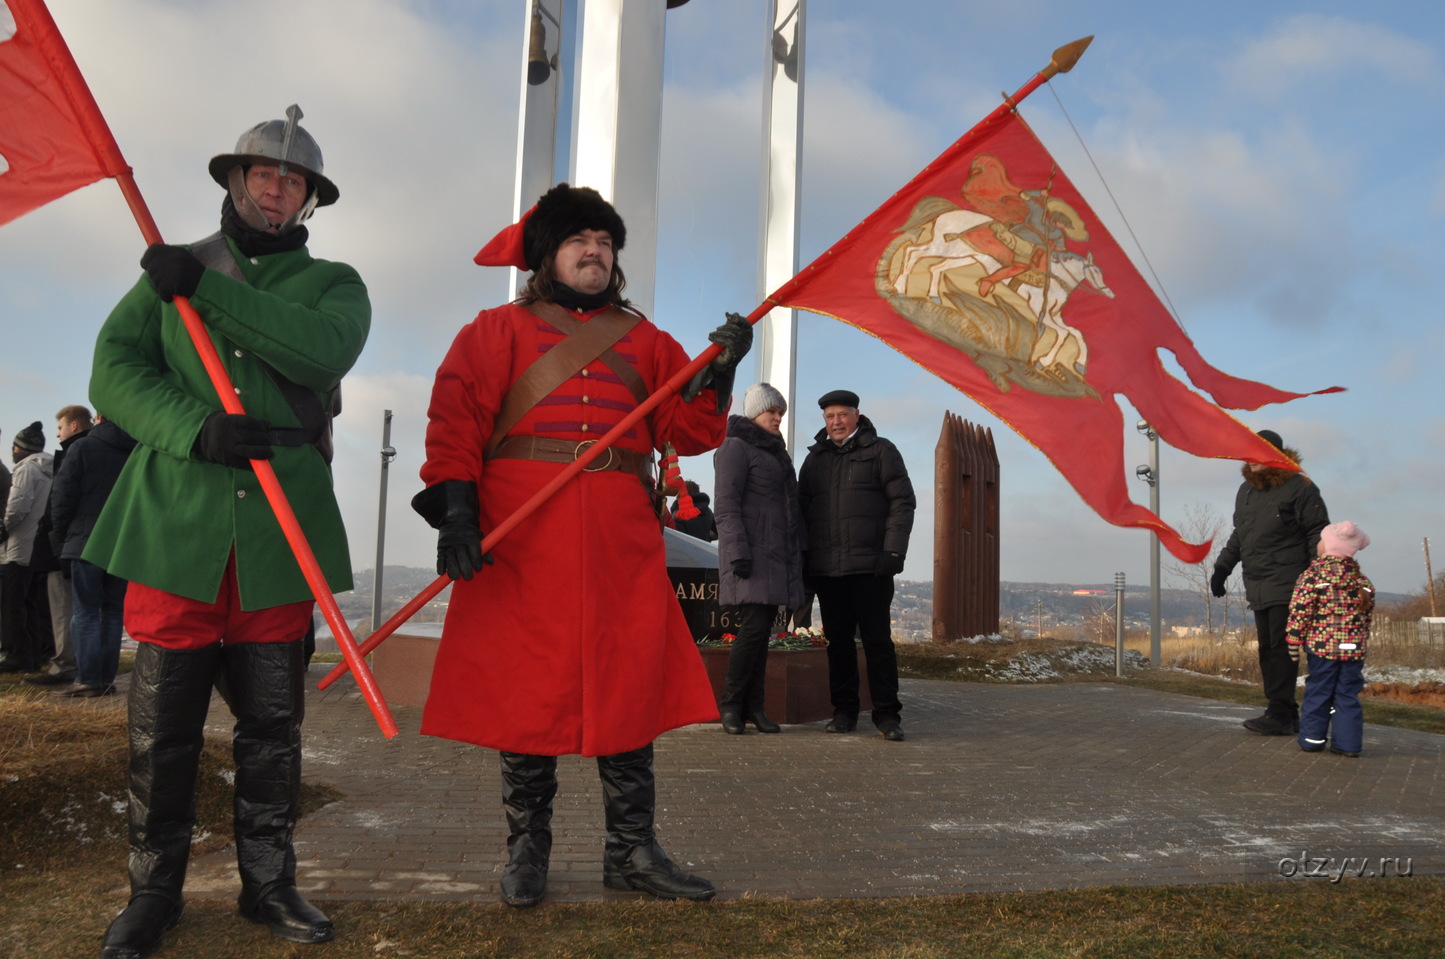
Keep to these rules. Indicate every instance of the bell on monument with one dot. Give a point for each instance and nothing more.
(538, 69)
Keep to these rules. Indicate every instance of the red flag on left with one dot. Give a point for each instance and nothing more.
(51, 139)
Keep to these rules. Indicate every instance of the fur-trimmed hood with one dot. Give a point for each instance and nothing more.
(1272, 476)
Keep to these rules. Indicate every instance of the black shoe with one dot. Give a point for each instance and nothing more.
(50, 679)
(765, 725)
(647, 869)
(12, 666)
(841, 723)
(1343, 752)
(1268, 725)
(891, 730)
(138, 930)
(732, 721)
(85, 692)
(288, 916)
(524, 884)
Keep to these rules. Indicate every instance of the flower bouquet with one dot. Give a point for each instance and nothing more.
(800, 638)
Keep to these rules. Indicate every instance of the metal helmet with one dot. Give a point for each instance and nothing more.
(287, 144)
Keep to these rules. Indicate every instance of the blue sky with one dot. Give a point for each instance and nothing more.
(1281, 166)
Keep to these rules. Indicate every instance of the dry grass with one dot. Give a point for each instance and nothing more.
(63, 783)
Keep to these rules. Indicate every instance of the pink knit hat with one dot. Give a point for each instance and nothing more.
(1343, 539)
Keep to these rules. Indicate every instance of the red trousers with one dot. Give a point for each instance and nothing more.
(175, 622)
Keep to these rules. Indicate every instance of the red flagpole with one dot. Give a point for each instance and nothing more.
(103, 141)
(1062, 61)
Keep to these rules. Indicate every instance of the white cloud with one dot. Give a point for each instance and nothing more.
(1303, 49)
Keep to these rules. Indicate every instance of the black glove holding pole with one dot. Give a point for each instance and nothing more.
(451, 508)
(234, 440)
(735, 337)
(174, 270)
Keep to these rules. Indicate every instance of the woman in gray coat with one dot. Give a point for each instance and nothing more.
(760, 547)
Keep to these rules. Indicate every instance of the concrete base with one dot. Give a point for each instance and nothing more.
(402, 665)
(796, 684)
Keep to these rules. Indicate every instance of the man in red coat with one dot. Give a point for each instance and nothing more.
(571, 641)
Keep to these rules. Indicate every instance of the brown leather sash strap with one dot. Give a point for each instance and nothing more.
(560, 319)
(550, 450)
(584, 343)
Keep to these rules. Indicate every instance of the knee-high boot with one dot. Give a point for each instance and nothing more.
(267, 696)
(632, 858)
(170, 691)
(528, 785)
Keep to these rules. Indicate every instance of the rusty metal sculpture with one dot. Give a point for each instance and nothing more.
(965, 532)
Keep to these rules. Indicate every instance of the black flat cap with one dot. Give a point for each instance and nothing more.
(1272, 438)
(838, 398)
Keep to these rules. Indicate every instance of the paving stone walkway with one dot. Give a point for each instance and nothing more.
(998, 788)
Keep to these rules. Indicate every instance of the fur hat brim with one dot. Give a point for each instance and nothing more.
(565, 211)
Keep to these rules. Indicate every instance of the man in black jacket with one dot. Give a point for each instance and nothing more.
(71, 424)
(858, 512)
(77, 496)
(1278, 516)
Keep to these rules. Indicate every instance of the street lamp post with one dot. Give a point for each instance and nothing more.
(1119, 624)
(1150, 475)
(387, 455)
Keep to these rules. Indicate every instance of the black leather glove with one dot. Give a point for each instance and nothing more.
(742, 568)
(174, 270)
(735, 337)
(1216, 582)
(889, 564)
(234, 440)
(451, 508)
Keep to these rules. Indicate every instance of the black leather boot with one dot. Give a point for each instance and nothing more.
(267, 696)
(732, 720)
(170, 692)
(528, 785)
(632, 858)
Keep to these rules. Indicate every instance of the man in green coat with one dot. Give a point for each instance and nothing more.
(215, 593)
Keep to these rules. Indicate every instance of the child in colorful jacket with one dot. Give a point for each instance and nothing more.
(1329, 615)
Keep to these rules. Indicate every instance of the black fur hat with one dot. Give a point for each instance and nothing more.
(563, 211)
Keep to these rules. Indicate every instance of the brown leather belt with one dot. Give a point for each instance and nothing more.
(550, 450)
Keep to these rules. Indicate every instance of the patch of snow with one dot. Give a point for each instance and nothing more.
(1408, 675)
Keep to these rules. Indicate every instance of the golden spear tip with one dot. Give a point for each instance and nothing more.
(1066, 56)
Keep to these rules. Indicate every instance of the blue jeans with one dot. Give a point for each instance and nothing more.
(1333, 683)
(95, 624)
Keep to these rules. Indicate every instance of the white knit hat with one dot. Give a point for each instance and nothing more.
(760, 397)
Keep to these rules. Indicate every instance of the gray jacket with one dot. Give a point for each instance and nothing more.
(758, 517)
(29, 492)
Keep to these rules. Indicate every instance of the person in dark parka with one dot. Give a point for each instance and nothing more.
(760, 547)
(1278, 516)
(77, 496)
(703, 526)
(858, 508)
